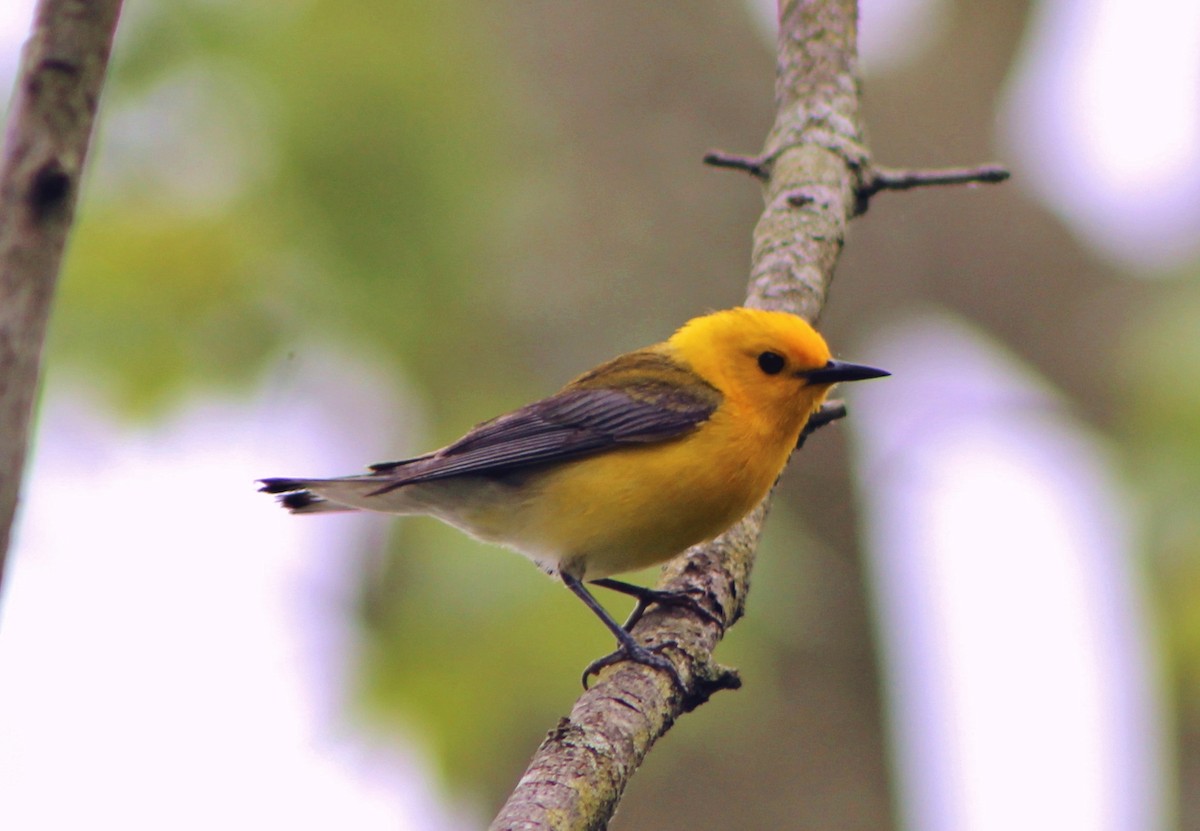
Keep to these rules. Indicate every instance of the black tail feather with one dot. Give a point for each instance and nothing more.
(295, 496)
(299, 500)
(282, 485)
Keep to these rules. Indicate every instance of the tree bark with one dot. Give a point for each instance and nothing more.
(812, 168)
(817, 176)
(49, 127)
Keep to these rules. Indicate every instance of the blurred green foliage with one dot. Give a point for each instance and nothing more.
(355, 206)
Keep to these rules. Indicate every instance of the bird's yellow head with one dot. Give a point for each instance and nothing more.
(773, 362)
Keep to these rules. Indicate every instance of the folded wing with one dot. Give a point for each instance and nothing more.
(639, 398)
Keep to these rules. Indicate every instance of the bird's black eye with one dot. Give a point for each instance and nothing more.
(771, 363)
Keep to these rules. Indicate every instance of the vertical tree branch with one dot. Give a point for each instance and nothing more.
(812, 171)
(46, 141)
(813, 156)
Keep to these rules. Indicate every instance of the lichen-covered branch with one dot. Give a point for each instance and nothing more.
(811, 168)
(45, 144)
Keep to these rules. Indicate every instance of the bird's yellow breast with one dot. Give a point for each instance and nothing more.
(634, 507)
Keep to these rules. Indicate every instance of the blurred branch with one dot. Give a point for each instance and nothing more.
(49, 125)
(831, 411)
(811, 171)
(756, 166)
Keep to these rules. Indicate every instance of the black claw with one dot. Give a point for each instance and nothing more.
(627, 648)
(639, 655)
(681, 599)
(648, 597)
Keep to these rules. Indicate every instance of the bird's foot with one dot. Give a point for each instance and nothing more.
(675, 599)
(631, 651)
(663, 597)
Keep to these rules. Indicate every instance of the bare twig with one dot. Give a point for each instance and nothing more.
(757, 166)
(830, 412)
(886, 178)
(46, 142)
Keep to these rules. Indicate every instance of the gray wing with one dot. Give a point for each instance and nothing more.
(574, 423)
(636, 399)
(639, 398)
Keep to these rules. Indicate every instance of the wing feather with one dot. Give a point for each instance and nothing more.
(639, 398)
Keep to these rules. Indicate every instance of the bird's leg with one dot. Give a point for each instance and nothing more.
(646, 597)
(627, 648)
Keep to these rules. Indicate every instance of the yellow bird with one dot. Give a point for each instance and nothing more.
(626, 466)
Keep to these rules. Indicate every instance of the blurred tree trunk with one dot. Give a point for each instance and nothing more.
(46, 141)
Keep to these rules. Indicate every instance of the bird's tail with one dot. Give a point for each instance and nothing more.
(294, 494)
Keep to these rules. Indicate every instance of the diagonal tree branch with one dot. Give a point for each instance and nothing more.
(817, 176)
(811, 169)
(46, 141)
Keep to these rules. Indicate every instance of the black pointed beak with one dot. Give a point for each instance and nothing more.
(835, 372)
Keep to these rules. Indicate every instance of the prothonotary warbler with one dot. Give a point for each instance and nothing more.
(626, 466)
